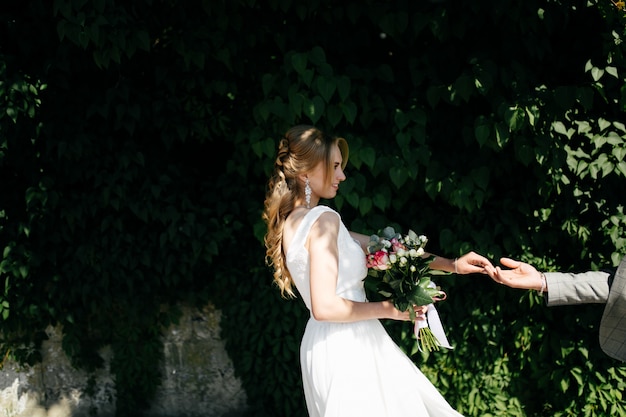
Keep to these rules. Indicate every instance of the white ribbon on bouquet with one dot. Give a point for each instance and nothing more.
(433, 321)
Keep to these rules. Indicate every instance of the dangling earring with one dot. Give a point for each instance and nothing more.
(307, 193)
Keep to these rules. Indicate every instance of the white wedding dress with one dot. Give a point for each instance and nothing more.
(355, 369)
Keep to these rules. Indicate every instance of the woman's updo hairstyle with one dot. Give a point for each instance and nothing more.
(299, 151)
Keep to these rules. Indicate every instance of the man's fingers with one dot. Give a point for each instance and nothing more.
(510, 263)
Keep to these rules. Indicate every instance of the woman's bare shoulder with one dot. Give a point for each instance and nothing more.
(328, 220)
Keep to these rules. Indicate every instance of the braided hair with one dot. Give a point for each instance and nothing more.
(301, 149)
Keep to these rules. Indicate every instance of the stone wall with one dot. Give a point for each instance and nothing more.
(199, 379)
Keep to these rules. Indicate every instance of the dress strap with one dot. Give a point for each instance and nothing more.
(308, 221)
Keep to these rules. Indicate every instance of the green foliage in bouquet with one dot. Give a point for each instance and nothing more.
(398, 270)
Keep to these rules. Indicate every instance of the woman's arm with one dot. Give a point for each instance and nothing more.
(470, 263)
(362, 239)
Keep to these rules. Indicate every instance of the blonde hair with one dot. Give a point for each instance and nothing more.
(301, 149)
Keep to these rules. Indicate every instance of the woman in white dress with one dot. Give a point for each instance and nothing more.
(350, 366)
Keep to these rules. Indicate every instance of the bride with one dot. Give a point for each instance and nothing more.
(350, 366)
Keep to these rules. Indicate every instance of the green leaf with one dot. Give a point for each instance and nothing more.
(482, 132)
(326, 86)
(381, 201)
(353, 199)
(464, 86)
(502, 135)
(365, 205)
(398, 176)
(343, 87)
(349, 111)
(334, 114)
(318, 56)
(612, 71)
(299, 62)
(515, 117)
(418, 296)
(314, 109)
(596, 73)
(401, 119)
(403, 139)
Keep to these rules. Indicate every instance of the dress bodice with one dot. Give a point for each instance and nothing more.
(352, 268)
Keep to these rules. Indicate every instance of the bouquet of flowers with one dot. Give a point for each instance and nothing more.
(398, 270)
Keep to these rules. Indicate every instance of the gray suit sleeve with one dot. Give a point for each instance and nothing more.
(584, 288)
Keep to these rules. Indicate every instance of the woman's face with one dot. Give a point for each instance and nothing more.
(317, 178)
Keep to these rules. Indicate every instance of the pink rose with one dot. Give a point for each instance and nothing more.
(378, 260)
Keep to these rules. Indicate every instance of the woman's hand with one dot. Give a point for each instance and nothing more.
(395, 314)
(472, 263)
(420, 312)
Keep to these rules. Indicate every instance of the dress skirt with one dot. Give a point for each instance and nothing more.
(356, 369)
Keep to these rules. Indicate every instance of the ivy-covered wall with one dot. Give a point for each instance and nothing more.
(136, 140)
